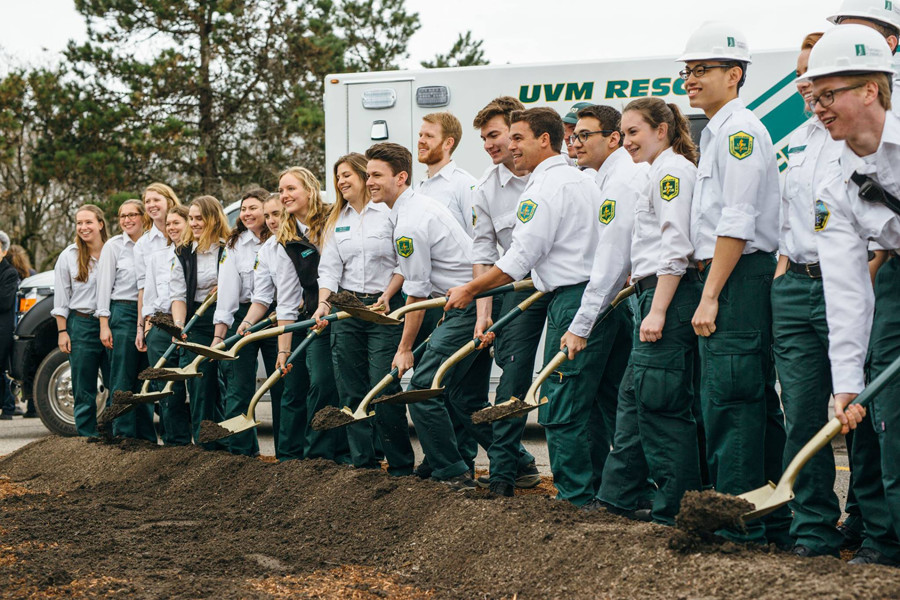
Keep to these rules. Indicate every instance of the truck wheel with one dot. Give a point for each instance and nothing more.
(53, 395)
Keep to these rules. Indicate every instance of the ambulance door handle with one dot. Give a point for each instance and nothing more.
(379, 130)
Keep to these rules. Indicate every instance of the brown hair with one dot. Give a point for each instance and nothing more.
(810, 40)
(84, 253)
(450, 126)
(357, 163)
(610, 119)
(502, 106)
(186, 236)
(542, 120)
(316, 212)
(395, 155)
(146, 223)
(164, 191)
(882, 80)
(18, 258)
(656, 112)
(215, 223)
(256, 193)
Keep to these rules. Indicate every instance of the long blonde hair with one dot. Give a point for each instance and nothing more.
(356, 162)
(164, 191)
(84, 252)
(316, 212)
(216, 229)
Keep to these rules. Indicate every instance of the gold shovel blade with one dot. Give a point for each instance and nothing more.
(505, 410)
(370, 316)
(148, 398)
(206, 351)
(766, 499)
(239, 423)
(410, 397)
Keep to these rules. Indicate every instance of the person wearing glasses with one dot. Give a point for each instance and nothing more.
(734, 231)
(850, 70)
(117, 309)
(570, 119)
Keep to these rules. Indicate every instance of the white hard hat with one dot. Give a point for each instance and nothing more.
(849, 49)
(716, 41)
(884, 11)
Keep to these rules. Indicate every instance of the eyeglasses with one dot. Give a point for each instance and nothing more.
(700, 70)
(827, 99)
(130, 216)
(583, 136)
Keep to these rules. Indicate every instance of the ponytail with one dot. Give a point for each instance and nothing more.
(656, 112)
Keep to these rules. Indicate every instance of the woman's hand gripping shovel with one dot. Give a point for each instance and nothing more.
(515, 407)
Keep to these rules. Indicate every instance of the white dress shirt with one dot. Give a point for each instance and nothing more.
(452, 187)
(150, 243)
(494, 204)
(558, 230)
(433, 251)
(737, 193)
(207, 275)
(116, 279)
(69, 294)
(156, 283)
(263, 273)
(287, 286)
(236, 277)
(849, 224)
(358, 255)
(811, 153)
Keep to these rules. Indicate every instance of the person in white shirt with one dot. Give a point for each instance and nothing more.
(850, 69)
(734, 231)
(235, 289)
(195, 269)
(74, 307)
(495, 200)
(310, 385)
(174, 414)
(117, 309)
(656, 429)
(570, 119)
(439, 136)
(358, 258)
(554, 240)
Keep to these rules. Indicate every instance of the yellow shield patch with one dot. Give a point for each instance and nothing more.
(526, 211)
(404, 247)
(607, 211)
(822, 215)
(224, 254)
(474, 217)
(669, 188)
(740, 145)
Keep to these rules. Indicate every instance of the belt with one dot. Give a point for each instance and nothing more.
(86, 315)
(129, 302)
(362, 296)
(651, 281)
(811, 270)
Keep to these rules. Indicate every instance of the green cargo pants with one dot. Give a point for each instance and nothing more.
(293, 418)
(742, 415)
(173, 410)
(88, 356)
(801, 357)
(125, 362)
(268, 348)
(579, 394)
(205, 402)
(238, 386)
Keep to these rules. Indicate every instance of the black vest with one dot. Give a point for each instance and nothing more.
(305, 257)
(187, 256)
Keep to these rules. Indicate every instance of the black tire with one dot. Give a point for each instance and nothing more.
(53, 394)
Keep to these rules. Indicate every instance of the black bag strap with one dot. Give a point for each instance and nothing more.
(188, 260)
(872, 191)
(305, 258)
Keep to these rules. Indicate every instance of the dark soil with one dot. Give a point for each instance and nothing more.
(165, 322)
(130, 520)
(210, 431)
(111, 412)
(330, 417)
(704, 513)
(342, 300)
(501, 411)
(123, 397)
(151, 373)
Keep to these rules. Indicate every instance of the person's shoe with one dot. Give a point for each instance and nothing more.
(869, 556)
(483, 481)
(528, 477)
(18, 412)
(853, 537)
(30, 415)
(501, 488)
(640, 514)
(460, 483)
(423, 471)
(5, 417)
(592, 506)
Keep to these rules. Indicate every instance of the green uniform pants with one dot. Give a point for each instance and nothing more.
(362, 354)
(801, 357)
(741, 414)
(125, 362)
(238, 386)
(88, 356)
(268, 348)
(578, 395)
(205, 401)
(876, 442)
(515, 350)
(293, 418)
(173, 410)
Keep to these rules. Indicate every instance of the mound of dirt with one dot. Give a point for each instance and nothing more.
(342, 300)
(514, 407)
(165, 322)
(139, 521)
(330, 417)
(210, 431)
(151, 373)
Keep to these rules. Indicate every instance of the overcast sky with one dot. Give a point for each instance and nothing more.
(35, 31)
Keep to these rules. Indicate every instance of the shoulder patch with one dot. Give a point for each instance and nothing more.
(474, 217)
(607, 211)
(404, 246)
(224, 254)
(740, 145)
(526, 211)
(822, 215)
(256, 262)
(669, 188)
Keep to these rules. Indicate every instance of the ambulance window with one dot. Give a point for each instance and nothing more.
(697, 122)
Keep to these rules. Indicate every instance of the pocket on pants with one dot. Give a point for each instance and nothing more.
(659, 377)
(733, 370)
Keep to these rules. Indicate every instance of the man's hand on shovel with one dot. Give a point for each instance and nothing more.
(849, 416)
(573, 343)
(403, 361)
(459, 297)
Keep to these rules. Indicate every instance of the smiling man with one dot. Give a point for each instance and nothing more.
(439, 137)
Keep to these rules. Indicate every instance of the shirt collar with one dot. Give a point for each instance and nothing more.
(610, 163)
(401, 200)
(726, 111)
(504, 174)
(248, 237)
(154, 232)
(548, 163)
(446, 171)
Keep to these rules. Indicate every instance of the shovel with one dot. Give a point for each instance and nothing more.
(515, 407)
(770, 496)
(436, 389)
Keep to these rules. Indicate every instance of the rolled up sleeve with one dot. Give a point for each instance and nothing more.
(106, 277)
(331, 267)
(62, 286)
(532, 240)
(484, 243)
(177, 284)
(287, 286)
(675, 226)
(741, 179)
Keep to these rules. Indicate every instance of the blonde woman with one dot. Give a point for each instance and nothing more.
(74, 306)
(195, 270)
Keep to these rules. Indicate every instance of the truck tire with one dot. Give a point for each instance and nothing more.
(53, 394)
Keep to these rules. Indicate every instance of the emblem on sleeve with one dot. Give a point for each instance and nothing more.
(740, 145)
(224, 254)
(474, 217)
(256, 262)
(404, 246)
(526, 211)
(669, 188)
(607, 211)
(822, 214)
